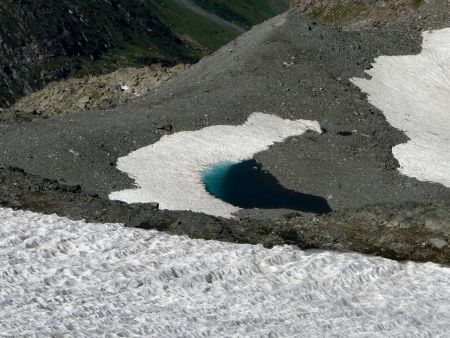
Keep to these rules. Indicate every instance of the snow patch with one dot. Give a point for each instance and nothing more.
(65, 278)
(170, 171)
(413, 92)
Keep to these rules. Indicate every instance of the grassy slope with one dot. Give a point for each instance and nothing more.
(191, 25)
(245, 13)
(280, 5)
(204, 35)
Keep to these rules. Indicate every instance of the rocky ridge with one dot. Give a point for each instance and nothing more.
(91, 92)
(411, 231)
(420, 14)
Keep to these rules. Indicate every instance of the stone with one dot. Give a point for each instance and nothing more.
(437, 225)
(154, 205)
(437, 243)
(83, 101)
(166, 127)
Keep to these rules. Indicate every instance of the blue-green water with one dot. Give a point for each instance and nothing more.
(247, 186)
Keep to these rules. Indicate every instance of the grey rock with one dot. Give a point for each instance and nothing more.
(438, 243)
(154, 205)
(357, 170)
(83, 101)
(438, 224)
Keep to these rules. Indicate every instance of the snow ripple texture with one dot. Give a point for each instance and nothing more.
(170, 170)
(414, 94)
(65, 278)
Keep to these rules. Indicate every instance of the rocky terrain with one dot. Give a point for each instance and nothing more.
(91, 92)
(144, 193)
(44, 41)
(421, 14)
(291, 66)
(407, 231)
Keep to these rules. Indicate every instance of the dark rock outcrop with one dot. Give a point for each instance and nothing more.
(410, 231)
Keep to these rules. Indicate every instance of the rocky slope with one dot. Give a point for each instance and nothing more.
(91, 92)
(291, 66)
(423, 14)
(43, 41)
(46, 40)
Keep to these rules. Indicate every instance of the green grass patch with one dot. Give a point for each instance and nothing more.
(95, 95)
(245, 13)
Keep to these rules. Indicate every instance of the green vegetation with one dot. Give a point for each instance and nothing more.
(245, 13)
(192, 26)
(95, 95)
(418, 3)
(201, 37)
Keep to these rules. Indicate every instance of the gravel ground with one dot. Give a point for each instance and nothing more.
(291, 67)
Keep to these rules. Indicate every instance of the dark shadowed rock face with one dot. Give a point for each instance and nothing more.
(45, 40)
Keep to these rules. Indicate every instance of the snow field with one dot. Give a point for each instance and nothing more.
(413, 92)
(170, 170)
(60, 277)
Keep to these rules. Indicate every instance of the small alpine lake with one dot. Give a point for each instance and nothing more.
(246, 185)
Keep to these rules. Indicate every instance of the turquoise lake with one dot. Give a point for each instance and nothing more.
(246, 185)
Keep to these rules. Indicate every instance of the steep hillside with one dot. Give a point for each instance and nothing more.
(41, 41)
(245, 12)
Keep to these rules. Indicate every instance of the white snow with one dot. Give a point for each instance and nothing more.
(170, 170)
(65, 278)
(414, 94)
